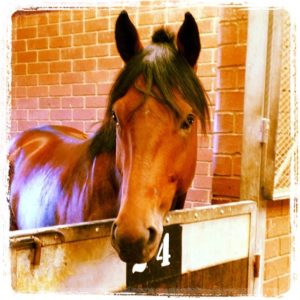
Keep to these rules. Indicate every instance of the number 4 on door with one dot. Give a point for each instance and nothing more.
(163, 251)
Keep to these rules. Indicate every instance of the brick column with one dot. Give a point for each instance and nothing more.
(228, 118)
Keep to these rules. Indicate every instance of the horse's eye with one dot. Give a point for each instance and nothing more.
(186, 124)
(114, 117)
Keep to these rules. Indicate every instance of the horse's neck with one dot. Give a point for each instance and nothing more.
(104, 188)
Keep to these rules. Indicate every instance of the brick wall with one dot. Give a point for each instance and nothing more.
(64, 63)
(228, 118)
(277, 248)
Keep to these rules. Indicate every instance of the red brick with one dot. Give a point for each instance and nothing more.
(270, 288)
(48, 55)
(19, 45)
(37, 91)
(236, 163)
(73, 77)
(28, 103)
(85, 65)
(97, 25)
(35, 44)
(229, 144)
(19, 92)
(202, 168)
(60, 90)
(38, 114)
(230, 101)
(77, 14)
(28, 56)
(278, 226)
(206, 56)
(222, 165)
(48, 79)
(103, 88)
(26, 80)
(84, 89)
(71, 102)
(95, 101)
(19, 114)
(60, 66)
(231, 55)
(26, 33)
(19, 69)
(49, 102)
(65, 15)
(223, 123)
(91, 13)
(276, 267)
(84, 114)
(47, 30)
(241, 78)
(75, 124)
(206, 70)
(150, 19)
(285, 245)
(101, 112)
(106, 37)
(38, 68)
(110, 63)
(226, 187)
(272, 248)
(227, 79)
(205, 25)
(61, 114)
(96, 76)
(274, 209)
(24, 125)
(209, 40)
(228, 33)
(242, 32)
(238, 123)
(72, 53)
(85, 39)
(196, 195)
(60, 42)
(284, 284)
(96, 51)
(71, 28)
(202, 182)
(204, 154)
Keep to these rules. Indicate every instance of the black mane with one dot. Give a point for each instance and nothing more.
(165, 68)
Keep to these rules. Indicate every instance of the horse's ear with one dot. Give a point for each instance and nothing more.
(188, 40)
(127, 38)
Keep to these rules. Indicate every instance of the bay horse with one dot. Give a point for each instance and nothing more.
(138, 165)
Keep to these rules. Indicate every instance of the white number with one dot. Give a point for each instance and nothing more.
(163, 252)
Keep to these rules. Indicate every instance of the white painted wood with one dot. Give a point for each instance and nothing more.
(210, 243)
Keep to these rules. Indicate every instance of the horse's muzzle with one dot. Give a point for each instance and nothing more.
(135, 246)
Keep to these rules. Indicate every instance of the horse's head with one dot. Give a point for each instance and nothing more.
(154, 103)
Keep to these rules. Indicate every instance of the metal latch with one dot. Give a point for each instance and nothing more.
(265, 128)
(29, 241)
(256, 266)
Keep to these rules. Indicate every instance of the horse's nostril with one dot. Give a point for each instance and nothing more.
(152, 235)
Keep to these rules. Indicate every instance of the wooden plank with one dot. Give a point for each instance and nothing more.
(251, 172)
(271, 106)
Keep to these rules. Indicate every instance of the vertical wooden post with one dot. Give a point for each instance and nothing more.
(251, 165)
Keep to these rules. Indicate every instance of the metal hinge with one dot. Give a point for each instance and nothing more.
(264, 133)
(256, 266)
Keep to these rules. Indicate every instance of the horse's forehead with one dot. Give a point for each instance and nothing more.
(134, 100)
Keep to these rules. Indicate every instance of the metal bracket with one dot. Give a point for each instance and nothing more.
(256, 266)
(265, 128)
(29, 241)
